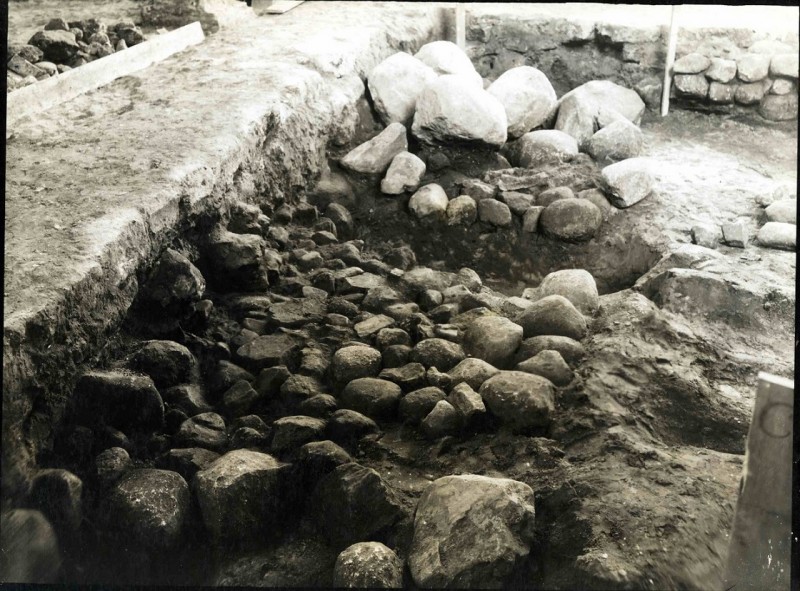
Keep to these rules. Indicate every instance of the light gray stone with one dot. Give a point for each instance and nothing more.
(708, 235)
(629, 181)
(375, 155)
(735, 234)
(545, 146)
(753, 67)
(494, 339)
(784, 64)
(528, 97)
(693, 63)
(530, 220)
(577, 285)
(778, 235)
(395, 84)
(520, 400)
(368, 565)
(494, 212)
(784, 210)
(461, 211)
(721, 70)
(617, 141)
(404, 174)
(445, 57)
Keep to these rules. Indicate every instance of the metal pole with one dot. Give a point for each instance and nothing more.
(671, 46)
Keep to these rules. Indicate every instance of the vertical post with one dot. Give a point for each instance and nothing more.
(671, 46)
(759, 553)
(461, 27)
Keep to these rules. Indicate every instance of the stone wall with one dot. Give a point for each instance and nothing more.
(572, 51)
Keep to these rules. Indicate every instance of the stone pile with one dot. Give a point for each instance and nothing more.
(752, 79)
(64, 45)
(249, 415)
(440, 95)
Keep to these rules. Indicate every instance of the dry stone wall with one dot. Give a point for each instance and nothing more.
(716, 69)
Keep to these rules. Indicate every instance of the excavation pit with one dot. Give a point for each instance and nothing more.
(245, 319)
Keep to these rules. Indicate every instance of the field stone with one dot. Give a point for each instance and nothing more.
(779, 107)
(577, 117)
(56, 45)
(438, 353)
(554, 194)
(416, 405)
(735, 234)
(346, 426)
(430, 200)
(318, 458)
(237, 261)
(350, 363)
(24, 68)
(629, 181)
(409, 376)
(494, 212)
(375, 156)
(749, 94)
(372, 325)
(752, 67)
(721, 70)
(552, 315)
(466, 401)
(548, 364)
(530, 220)
(471, 531)
(572, 220)
(569, 349)
(174, 282)
(577, 285)
(240, 398)
(269, 350)
(294, 431)
(693, 85)
(149, 507)
(708, 235)
(784, 64)
(119, 399)
(518, 203)
(693, 63)
(298, 388)
(721, 93)
(110, 465)
(30, 548)
(493, 339)
(782, 86)
(166, 362)
(442, 420)
(404, 174)
(461, 211)
(527, 96)
(445, 57)
(57, 494)
(241, 495)
(206, 430)
(320, 406)
(784, 210)
(473, 372)
(395, 84)
(387, 337)
(29, 53)
(452, 108)
(778, 235)
(618, 141)
(520, 400)
(353, 503)
(368, 565)
(373, 397)
(187, 461)
(610, 96)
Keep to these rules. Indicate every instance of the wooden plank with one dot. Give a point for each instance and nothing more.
(281, 6)
(461, 28)
(52, 91)
(671, 47)
(759, 554)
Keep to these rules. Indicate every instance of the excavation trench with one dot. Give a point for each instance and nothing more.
(228, 343)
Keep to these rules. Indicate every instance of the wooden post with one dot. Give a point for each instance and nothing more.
(671, 46)
(759, 554)
(461, 28)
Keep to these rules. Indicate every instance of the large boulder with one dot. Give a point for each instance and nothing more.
(494, 339)
(520, 400)
(57, 46)
(617, 141)
(778, 235)
(784, 210)
(241, 495)
(553, 315)
(573, 220)
(471, 531)
(577, 117)
(374, 156)
(608, 95)
(395, 84)
(528, 97)
(368, 565)
(353, 503)
(445, 57)
(577, 285)
(452, 108)
(541, 147)
(629, 181)
(173, 284)
(119, 399)
(148, 508)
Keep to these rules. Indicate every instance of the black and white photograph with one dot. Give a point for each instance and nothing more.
(361, 294)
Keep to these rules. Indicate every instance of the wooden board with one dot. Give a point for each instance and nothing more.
(281, 6)
(52, 91)
(759, 554)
